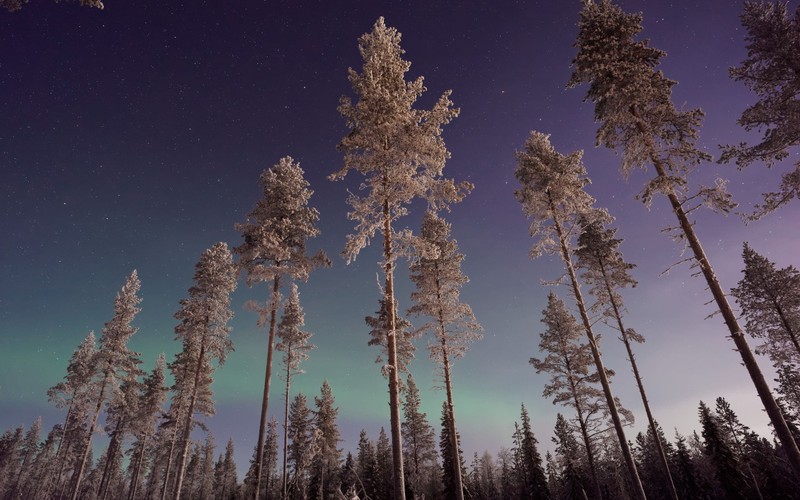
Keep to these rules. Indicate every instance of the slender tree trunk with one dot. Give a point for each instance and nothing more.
(749, 360)
(187, 429)
(168, 468)
(584, 432)
(137, 469)
(394, 393)
(79, 473)
(285, 431)
(451, 417)
(637, 491)
(62, 463)
(267, 375)
(650, 420)
(735, 331)
(111, 452)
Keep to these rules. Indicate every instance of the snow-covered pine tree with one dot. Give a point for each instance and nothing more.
(366, 468)
(122, 410)
(419, 443)
(772, 71)
(14, 5)
(28, 449)
(436, 273)
(110, 362)
(295, 345)
(569, 362)
(770, 302)
(324, 481)
(633, 104)
(553, 197)
(274, 248)
(605, 271)
(152, 397)
(204, 330)
(401, 154)
(71, 393)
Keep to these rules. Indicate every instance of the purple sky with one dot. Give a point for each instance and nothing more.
(133, 137)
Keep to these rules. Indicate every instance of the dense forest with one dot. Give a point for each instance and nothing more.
(153, 411)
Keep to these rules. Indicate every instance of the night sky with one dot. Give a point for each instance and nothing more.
(133, 138)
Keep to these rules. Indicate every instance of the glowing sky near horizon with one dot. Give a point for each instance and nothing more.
(133, 138)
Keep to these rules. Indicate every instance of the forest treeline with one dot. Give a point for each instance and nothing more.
(159, 447)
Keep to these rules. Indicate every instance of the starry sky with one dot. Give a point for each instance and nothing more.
(133, 138)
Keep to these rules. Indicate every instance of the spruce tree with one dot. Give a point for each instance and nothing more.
(772, 71)
(568, 459)
(534, 479)
(401, 154)
(325, 465)
(722, 456)
(553, 197)
(450, 460)
(633, 104)
(419, 442)
(303, 446)
(275, 242)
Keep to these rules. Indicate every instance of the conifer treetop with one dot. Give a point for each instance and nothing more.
(551, 189)
(633, 100)
(277, 229)
(398, 148)
(205, 314)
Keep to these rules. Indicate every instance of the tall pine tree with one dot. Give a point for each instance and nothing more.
(401, 154)
(204, 330)
(111, 362)
(274, 248)
(436, 272)
(633, 104)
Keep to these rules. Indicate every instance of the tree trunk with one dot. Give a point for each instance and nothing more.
(451, 417)
(187, 429)
(735, 331)
(637, 491)
(111, 452)
(650, 420)
(62, 463)
(137, 469)
(168, 468)
(79, 473)
(451, 422)
(394, 393)
(285, 431)
(265, 397)
(584, 432)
